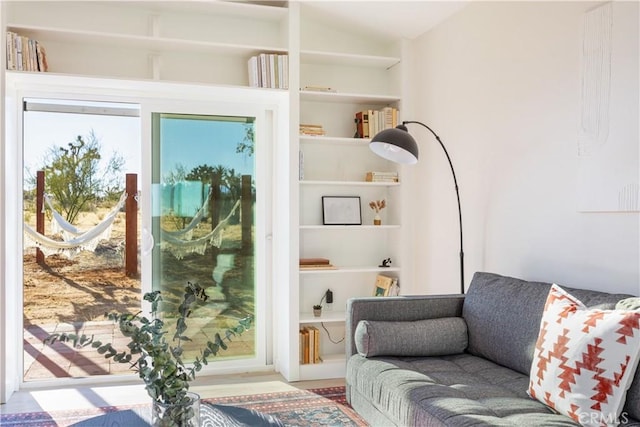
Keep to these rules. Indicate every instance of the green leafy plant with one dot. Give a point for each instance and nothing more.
(158, 361)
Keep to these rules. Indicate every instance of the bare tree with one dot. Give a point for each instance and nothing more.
(75, 177)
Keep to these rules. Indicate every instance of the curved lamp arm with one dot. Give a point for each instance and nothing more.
(399, 146)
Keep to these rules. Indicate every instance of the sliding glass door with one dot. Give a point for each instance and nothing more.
(201, 159)
(203, 224)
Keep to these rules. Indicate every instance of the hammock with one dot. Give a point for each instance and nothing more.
(179, 248)
(69, 231)
(72, 244)
(187, 232)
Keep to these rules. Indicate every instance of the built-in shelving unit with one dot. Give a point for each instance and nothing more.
(362, 74)
(210, 42)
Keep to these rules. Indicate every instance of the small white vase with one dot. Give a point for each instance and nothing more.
(377, 220)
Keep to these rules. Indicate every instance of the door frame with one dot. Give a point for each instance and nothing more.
(275, 109)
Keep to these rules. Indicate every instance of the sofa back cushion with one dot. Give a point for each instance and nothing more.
(503, 316)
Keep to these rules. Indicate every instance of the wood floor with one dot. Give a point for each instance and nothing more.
(81, 397)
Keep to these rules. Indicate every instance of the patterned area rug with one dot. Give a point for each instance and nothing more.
(315, 407)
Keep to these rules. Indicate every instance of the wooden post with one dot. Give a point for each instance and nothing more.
(131, 226)
(215, 201)
(40, 212)
(246, 212)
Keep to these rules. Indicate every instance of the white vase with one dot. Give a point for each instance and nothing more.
(377, 220)
(186, 414)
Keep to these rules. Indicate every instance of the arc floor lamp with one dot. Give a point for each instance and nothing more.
(398, 145)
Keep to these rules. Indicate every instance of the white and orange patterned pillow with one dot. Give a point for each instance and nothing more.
(585, 359)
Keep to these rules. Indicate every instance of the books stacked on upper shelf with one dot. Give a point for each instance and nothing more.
(310, 129)
(25, 54)
(370, 122)
(316, 264)
(270, 70)
(381, 177)
(309, 345)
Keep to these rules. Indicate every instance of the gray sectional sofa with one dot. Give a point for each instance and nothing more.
(478, 372)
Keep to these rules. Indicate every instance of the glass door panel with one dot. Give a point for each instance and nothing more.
(77, 158)
(203, 224)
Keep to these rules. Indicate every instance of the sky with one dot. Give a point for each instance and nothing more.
(187, 142)
(193, 142)
(43, 131)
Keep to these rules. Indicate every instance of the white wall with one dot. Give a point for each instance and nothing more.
(500, 83)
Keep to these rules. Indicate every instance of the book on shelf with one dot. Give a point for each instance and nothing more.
(314, 261)
(269, 70)
(316, 264)
(304, 346)
(254, 78)
(311, 129)
(25, 54)
(310, 345)
(318, 267)
(316, 345)
(362, 124)
(370, 122)
(383, 285)
(394, 289)
(381, 176)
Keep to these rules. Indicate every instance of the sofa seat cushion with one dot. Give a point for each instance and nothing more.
(456, 390)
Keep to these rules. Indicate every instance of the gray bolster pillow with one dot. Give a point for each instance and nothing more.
(428, 337)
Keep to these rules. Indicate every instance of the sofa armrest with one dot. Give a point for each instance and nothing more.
(402, 308)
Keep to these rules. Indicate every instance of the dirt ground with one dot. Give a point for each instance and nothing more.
(63, 290)
(93, 283)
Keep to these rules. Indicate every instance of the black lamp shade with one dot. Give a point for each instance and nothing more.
(396, 145)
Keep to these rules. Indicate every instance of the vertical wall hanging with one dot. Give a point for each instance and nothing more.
(608, 152)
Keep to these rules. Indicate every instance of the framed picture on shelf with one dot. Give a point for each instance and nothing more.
(341, 210)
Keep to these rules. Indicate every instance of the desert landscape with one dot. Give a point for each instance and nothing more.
(79, 291)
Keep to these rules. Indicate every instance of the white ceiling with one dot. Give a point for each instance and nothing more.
(393, 19)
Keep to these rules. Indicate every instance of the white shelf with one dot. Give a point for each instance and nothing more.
(338, 97)
(335, 140)
(342, 270)
(350, 183)
(332, 366)
(319, 57)
(350, 227)
(157, 44)
(231, 8)
(327, 317)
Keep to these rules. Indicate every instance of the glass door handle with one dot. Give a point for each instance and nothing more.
(148, 242)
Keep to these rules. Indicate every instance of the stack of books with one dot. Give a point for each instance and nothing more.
(310, 345)
(270, 70)
(381, 177)
(25, 54)
(316, 264)
(370, 122)
(310, 129)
